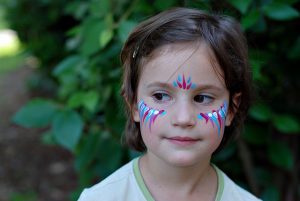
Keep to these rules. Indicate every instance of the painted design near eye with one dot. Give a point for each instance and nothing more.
(184, 84)
(148, 114)
(216, 117)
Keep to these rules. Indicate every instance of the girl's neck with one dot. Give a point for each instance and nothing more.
(159, 175)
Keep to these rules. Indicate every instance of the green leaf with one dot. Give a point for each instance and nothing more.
(76, 100)
(255, 134)
(271, 193)
(24, 196)
(88, 151)
(124, 29)
(225, 154)
(92, 29)
(87, 99)
(241, 5)
(109, 155)
(67, 128)
(66, 65)
(261, 112)
(280, 11)
(163, 5)
(100, 8)
(286, 124)
(107, 33)
(250, 19)
(77, 9)
(260, 26)
(105, 36)
(48, 138)
(36, 113)
(280, 155)
(294, 53)
(91, 99)
(290, 2)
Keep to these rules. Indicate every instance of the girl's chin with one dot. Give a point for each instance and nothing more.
(184, 161)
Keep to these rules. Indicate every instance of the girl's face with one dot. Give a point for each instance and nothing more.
(182, 105)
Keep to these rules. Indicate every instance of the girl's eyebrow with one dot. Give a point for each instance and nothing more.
(160, 84)
(197, 88)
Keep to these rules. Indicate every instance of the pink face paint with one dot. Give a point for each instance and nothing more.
(182, 83)
(147, 114)
(216, 117)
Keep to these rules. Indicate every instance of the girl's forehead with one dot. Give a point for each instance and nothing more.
(171, 61)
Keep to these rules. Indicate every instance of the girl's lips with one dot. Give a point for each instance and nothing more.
(182, 140)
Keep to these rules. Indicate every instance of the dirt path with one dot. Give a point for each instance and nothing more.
(26, 165)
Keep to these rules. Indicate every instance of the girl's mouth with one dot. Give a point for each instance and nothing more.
(178, 140)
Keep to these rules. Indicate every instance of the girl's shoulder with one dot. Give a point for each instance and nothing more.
(232, 191)
(114, 187)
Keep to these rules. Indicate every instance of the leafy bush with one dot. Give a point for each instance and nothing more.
(87, 117)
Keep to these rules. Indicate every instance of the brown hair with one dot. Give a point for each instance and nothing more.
(223, 36)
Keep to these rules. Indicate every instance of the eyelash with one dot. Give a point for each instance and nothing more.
(154, 96)
(163, 94)
(204, 97)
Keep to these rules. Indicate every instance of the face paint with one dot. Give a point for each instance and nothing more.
(216, 117)
(147, 114)
(183, 84)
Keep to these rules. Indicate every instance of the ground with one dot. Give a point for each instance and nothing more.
(27, 166)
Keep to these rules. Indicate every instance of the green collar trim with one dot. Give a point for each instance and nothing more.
(147, 194)
(220, 183)
(140, 180)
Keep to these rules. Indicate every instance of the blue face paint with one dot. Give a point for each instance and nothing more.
(216, 117)
(147, 114)
(183, 84)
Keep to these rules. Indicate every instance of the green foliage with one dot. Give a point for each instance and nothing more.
(67, 128)
(36, 113)
(26, 196)
(87, 118)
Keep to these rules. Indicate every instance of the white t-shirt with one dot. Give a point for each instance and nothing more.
(127, 184)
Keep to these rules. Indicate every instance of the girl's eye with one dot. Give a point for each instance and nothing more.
(203, 99)
(161, 97)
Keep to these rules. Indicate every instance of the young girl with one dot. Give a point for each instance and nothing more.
(187, 87)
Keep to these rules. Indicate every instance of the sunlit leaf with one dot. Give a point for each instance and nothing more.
(280, 11)
(67, 129)
(76, 100)
(67, 65)
(286, 124)
(105, 36)
(92, 29)
(36, 113)
(124, 29)
(91, 100)
(261, 112)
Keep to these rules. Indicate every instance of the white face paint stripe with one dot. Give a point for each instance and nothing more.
(147, 114)
(216, 117)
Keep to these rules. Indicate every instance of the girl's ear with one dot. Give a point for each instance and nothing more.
(231, 112)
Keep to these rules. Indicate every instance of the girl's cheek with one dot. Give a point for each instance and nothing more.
(149, 116)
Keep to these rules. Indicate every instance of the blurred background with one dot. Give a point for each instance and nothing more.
(61, 113)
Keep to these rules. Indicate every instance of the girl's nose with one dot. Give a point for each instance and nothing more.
(184, 115)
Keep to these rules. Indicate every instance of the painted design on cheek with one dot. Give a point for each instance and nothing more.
(148, 114)
(216, 117)
(183, 84)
